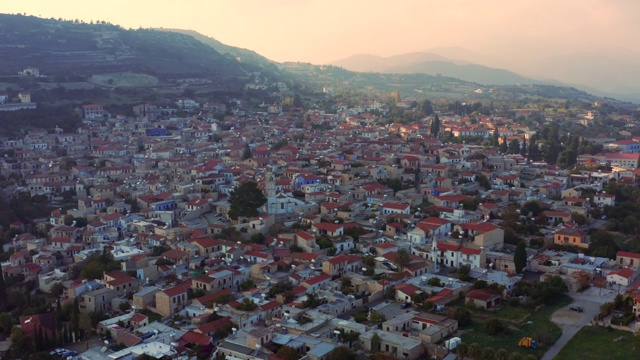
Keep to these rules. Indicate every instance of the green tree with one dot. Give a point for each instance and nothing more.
(246, 305)
(514, 146)
(245, 200)
(435, 126)
(342, 353)
(495, 139)
(247, 154)
(92, 270)
(502, 354)
(376, 342)
(475, 351)
(312, 301)
(56, 289)
(494, 326)
(462, 315)
(520, 257)
(6, 323)
(248, 284)
(488, 354)
(483, 181)
(402, 259)
(426, 107)
(523, 148)
(390, 293)
(377, 317)
(288, 353)
(462, 350)
(503, 145)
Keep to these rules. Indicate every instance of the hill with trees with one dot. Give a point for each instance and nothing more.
(72, 46)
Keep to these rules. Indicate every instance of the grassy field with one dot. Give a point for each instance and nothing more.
(595, 343)
(538, 326)
(124, 80)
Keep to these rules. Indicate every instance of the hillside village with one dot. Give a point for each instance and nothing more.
(369, 236)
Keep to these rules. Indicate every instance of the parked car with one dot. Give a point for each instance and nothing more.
(57, 351)
(405, 305)
(576, 308)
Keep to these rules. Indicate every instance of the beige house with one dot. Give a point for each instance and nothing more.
(98, 300)
(144, 298)
(171, 300)
(628, 259)
(392, 343)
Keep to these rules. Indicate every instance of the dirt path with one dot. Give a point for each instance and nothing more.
(571, 322)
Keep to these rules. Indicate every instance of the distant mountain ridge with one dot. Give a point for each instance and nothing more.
(433, 64)
(80, 48)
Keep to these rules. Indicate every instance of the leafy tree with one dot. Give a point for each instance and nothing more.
(376, 342)
(463, 316)
(488, 354)
(246, 305)
(56, 289)
(483, 181)
(92, 270)
(502, 354)
(342, 353)
(495, 139)
(494, 326)
(462, 350)
(247, 154)
(124, 306)
(377, 317)
(248, 284)
(312, 301)
(288, 353)
(520, 257)
(390, 293)
(523, 148)
(435, 281)
(602, 244)
(402, 258)
(549, 291)
(503, 145)
(514, 147)
(475, 351)
(463, 272)
(426, 107)
(6, 323)
(245, 200)
(533, 207)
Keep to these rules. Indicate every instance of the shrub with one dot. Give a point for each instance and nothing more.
(495, 327)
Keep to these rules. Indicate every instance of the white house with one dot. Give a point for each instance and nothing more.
(603, 199)
(395, 208)
(623, 277)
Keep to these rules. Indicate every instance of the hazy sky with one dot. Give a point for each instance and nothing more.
(321, 31)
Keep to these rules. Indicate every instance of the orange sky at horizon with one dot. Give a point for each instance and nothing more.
(322, 31)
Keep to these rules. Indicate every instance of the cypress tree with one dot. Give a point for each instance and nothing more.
(520, 257)
(435, 126)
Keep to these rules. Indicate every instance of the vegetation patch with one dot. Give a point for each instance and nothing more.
(538, 326)
(594, 342)
(124, 79)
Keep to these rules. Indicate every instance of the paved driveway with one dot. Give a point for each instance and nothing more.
(571, 322)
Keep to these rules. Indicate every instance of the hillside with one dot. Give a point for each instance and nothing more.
(433, 64)
(244, 56)
(64, 46)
